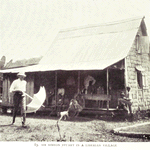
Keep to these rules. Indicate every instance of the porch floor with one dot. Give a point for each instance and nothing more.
(89, 111)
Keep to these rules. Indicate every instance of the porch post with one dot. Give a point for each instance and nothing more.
(78, 82)
(56, 87)
(8, 87)
(107, 76)
(125, 74)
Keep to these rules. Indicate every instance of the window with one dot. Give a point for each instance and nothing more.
(142, 79)
(139, 79)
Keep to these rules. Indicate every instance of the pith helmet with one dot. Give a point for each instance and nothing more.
(21, 74)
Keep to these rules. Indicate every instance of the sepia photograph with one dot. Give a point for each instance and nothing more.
(75, 74)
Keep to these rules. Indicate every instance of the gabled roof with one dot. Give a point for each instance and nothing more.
(90, 47)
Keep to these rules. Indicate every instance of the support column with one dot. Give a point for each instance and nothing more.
(107, 80)
(107, 76)
(125, 74)
(78, 82)
(56, 87)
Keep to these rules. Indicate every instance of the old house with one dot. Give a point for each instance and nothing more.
(115, 55)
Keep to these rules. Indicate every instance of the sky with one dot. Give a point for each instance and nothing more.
(28, 27)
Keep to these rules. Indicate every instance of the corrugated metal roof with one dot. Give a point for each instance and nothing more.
(88, 48)
(94, 47)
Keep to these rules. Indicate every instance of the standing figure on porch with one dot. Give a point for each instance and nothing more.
(18, 88)
(88, 81)
(126, 100)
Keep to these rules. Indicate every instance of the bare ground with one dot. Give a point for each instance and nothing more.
(80, 129)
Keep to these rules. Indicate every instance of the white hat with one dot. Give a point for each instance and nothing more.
(21, 74)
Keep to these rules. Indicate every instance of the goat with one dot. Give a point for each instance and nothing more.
(73, 107)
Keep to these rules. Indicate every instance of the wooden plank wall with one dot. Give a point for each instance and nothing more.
(6, 97)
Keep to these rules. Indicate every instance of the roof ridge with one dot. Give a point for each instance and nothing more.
(103, 24)
(97, 34)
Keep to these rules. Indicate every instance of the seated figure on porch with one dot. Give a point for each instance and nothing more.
(51, 96)
(89, 81)
(74, 108)
(60, 95)
(125, 101)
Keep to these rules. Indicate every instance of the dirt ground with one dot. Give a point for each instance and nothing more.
(80, 129)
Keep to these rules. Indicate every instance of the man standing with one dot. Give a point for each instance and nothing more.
(126, 100)
(18, 88)
(129, 99)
